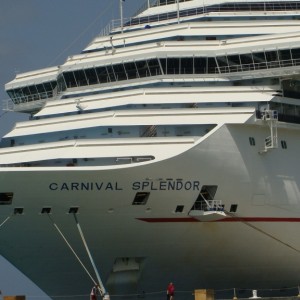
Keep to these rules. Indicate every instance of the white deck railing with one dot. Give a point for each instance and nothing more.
(233, 7)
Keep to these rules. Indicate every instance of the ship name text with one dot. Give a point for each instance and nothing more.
(148, 185)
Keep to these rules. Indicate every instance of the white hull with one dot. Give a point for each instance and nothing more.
(257, 248)
(176, 137)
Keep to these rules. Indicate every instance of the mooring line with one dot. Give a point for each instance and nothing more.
(262, 231)
(100, 282)
(5, 221)
(79, 260)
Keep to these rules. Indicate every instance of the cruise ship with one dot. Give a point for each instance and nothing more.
(167, 150)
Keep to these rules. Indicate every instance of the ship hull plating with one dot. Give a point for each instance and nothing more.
(142, 247)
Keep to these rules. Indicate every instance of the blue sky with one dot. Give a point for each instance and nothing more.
(36, 34)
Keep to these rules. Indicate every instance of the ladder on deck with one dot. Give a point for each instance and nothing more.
(271, 118)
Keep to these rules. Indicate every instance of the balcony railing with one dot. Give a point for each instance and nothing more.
(258, 66)
(27, 102)
(115, 25)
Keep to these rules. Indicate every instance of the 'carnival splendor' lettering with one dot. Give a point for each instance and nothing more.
(167, 185)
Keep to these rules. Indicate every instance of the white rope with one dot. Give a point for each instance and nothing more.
(101, 287)
(261, 231)
(64, 238)
(5, 221)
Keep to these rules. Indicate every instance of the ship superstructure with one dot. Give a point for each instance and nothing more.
(174, 137)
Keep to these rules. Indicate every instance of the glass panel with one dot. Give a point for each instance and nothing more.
(131, 70)
(47, 86)
(11, 94)
(18, 93)
(233, 60)
(40, 88)
(246, 59)
(111, 74)
(284, 54)
(296, 53)
(163, 63)
(212, 66)
(120, 72)
(91, 76)
(173, 66)
(80, 78)
(154, 67)
(259, 57)
(142, 68)
(34, 92)
(102, 74)
(271, 56)
(187, 65)
(222, 61)
(70, 79)
(53, 84)
(259, 60)
(200, 65)
(61, 83)
(27, 90)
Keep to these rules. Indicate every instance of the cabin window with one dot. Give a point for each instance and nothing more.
(252, 141)
(46, 210)
(179, 208)
(233, 207)
(283, 145)
(6, 198)
(19, 211)
(141, 198)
